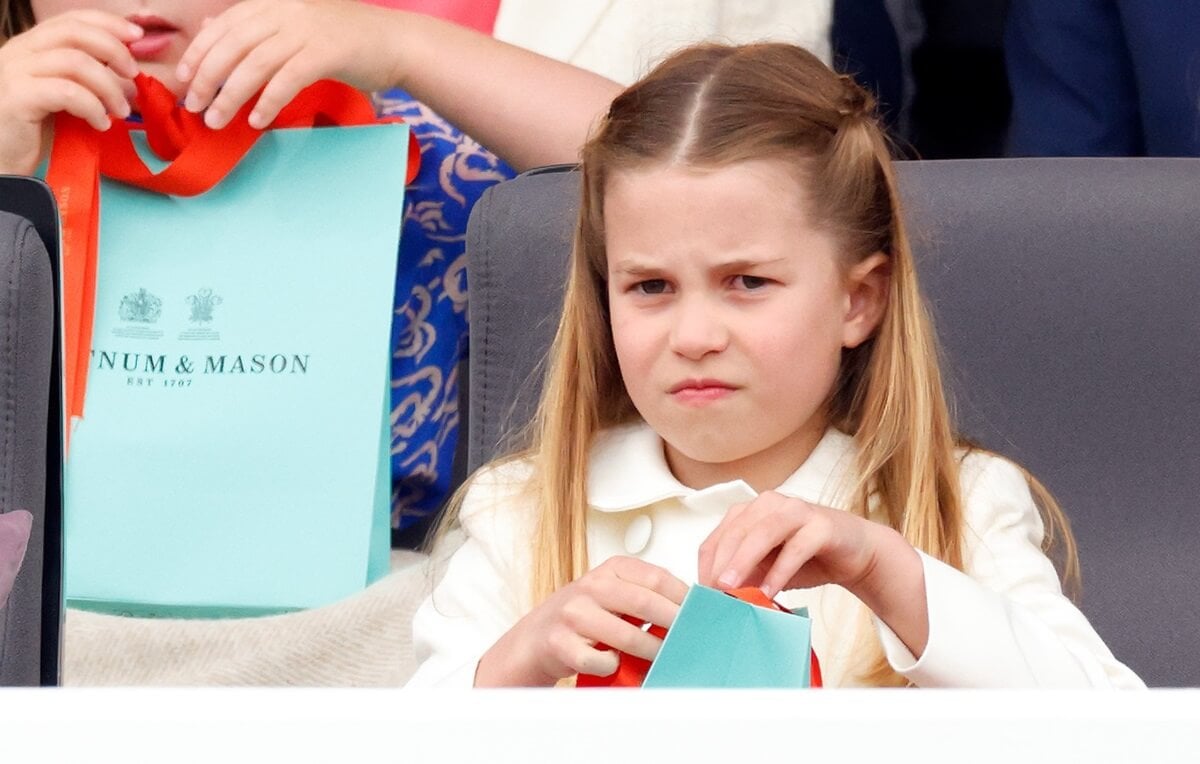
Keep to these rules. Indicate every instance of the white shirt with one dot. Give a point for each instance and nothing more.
(622, 39)
(1003, 623)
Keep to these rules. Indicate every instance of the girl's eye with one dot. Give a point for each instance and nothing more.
(652, 286)
(750, 283)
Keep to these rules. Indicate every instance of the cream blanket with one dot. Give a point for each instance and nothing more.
(362, 641)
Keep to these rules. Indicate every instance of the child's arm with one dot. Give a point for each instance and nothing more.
(75, 62)
(558, 638)
(528, 109)
(776, 542)
(1003, 623)
(479, 628)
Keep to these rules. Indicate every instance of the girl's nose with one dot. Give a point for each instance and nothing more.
(698, 329)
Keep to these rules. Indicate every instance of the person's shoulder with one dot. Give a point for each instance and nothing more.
(996, 495)
(493, 516)
(495, 488)
(985, 472)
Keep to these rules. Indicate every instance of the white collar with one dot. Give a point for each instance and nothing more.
(628, 470)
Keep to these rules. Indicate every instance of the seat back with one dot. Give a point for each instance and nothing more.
(1064, 296)
(30, 441)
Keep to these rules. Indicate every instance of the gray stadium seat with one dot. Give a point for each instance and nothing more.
(30, 445)
(1065, 296)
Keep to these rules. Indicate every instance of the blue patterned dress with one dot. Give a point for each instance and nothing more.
(429, 330)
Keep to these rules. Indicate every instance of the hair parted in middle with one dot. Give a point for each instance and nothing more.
(711, 106)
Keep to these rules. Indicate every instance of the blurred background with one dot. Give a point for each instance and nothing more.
(955, 78)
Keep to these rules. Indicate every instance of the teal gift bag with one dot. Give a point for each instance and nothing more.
(718, 640)
(234, 455)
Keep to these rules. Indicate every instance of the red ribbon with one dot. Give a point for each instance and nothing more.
(631, 670)
(200, 158)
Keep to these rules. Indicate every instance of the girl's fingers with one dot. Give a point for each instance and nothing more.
(229, 48)
(110, 50)
(597, 623)
(563, 632)
(640, 603)
(791, 557)
(122, 29)
(707, 559)
(625, 586)
(765, 524)
(66, 95)
(721, 572)
(627, 638)
(82, 69)
(647, 576)
(211, 31)
(769, 525)
(208, 35)
(292, 77)
(105, 43)
(753, 547)
(267, 64)
(580, 656)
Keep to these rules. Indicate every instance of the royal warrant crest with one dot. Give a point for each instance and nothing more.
(203, 303)
(141, 307)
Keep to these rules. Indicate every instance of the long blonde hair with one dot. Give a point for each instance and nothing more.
(711, 106)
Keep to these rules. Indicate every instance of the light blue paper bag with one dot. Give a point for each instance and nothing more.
(233, 457)
(720, 641)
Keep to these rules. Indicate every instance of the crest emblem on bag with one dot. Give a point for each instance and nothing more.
(202, 304)
(141, 307)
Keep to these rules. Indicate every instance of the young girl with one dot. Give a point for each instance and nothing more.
(79, 56)
(744, 392)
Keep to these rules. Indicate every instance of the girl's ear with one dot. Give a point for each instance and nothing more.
(867, 286)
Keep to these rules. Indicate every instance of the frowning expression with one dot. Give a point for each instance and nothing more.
(729, 312)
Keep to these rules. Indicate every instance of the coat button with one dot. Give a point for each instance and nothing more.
(637, 534)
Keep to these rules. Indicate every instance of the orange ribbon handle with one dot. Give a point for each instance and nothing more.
(631, 670)
(199, 159)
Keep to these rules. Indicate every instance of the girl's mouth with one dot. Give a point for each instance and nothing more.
(698, 392)
(158, 37)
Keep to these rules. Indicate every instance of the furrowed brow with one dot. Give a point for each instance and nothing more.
(745, 264)
(637, 270)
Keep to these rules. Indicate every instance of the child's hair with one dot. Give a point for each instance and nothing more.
(712, 106)
(16, 16)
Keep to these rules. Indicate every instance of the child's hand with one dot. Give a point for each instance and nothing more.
(558, 638)
(285, 45)
(75, 62)
(777, 543)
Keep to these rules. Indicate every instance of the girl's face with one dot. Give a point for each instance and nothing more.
(729, 315)
(170, 26)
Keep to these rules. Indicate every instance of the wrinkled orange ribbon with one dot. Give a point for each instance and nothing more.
(200, 158)
(631, 670)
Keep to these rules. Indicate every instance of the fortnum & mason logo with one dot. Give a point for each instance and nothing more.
(148, 366)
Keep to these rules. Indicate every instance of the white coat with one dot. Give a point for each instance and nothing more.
(622, 39)
(1003, 623)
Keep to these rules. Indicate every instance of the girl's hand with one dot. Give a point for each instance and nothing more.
(558, 638)
(777, 543)
(75, 62)
(286, 45)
